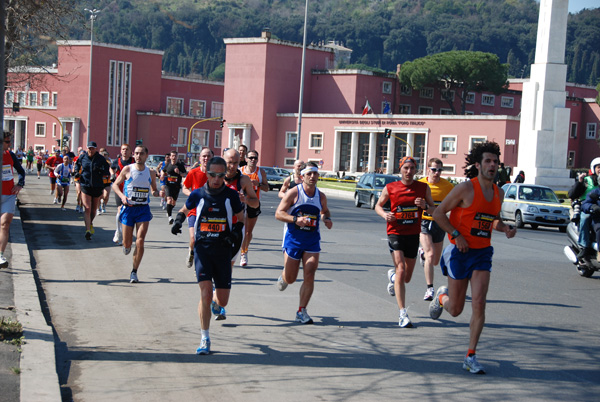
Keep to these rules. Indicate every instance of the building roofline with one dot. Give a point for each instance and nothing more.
(100, 44)
(568, 84)
(239, 41)
(347, 71)
(197, 80)
(384, 117)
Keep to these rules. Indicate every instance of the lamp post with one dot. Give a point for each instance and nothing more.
(93, 13)
(302, 81)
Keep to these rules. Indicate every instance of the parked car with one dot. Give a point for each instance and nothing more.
(368, 188)
(154, 160)
(534, 205)
(273, 178)
(348, 178)
(329, 176)
(285, 173)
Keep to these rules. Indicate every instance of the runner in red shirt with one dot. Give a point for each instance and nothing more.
(408, 199)
(51, 163)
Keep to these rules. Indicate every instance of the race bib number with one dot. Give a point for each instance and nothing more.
(482, 225)
(140, 195)
(311, 224)
(407, 215)
(172, 179)
(64, 179)
(7, 173)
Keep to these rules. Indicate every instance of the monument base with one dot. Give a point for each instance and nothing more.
(556, 179)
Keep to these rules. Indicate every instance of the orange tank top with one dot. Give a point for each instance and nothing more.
(475, 222)
(254, 176)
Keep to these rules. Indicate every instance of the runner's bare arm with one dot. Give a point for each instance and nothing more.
(499, 224)
(122, 177)
(284, 187)
(153, 183)
(325, 214)
(383, 198)
(251, 198)
(285, 204)
(264, 184)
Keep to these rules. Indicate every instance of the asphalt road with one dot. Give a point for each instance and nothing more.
(120, 341)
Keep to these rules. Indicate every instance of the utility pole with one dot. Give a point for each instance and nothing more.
(93, 13)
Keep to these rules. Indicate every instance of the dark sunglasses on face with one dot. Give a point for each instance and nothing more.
(253, 158)
(215, 174)
(436, 169)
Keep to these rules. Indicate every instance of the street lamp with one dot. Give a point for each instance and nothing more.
(93, 13)
(302, 81)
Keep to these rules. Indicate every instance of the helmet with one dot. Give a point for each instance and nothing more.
(595, 162)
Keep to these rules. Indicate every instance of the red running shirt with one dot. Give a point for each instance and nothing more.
(402, 202)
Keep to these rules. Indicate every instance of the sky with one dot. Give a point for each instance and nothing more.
(577, 5)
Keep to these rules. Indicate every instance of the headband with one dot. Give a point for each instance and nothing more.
(407, 159)
(308, 169)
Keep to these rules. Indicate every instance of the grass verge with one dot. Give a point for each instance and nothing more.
(11, 331)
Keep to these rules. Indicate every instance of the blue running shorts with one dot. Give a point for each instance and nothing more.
(296, 253)
(131, 215)
(191, 221)
(459, 265)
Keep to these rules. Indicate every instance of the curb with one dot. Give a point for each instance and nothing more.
(347, 195)
(38, 378)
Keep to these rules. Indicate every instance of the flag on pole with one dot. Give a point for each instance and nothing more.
(367, 108)
(386, 108)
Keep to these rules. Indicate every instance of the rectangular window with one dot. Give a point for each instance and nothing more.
(218, 139)
(476, 140)
(573, 132)
(21, 98)
(54, 99)
(450, 93)
(316, 141)
(199, 140)
(448, 144)
(197, 108)
(488, 100)
(40, 129)
(445, 111)
(386, 87)
(181, 137)
(425, 110)
(291, 139)
(54, 127)
(289, 162)
(174, 105)
(217, 109)
(507, 102)
(404, 109)
(426, 93)
(469, 112)
(119, 94)
(44, 99)
(590, 132)
(449, 169)
(571, 159)
(33, 99)
(405, 90)
(470, 98)
(9, 98)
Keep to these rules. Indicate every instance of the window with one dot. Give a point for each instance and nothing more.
(54, 127)
(449, 169)
(174, 105)
(469, 112)
(119, 99)
(197, 108)
(573, 132)
(448, 144)
(450, 93)
(507, 102)
(54, 99)
(316, 141)
(217, 109)
(45, 99)
(32, 99)
(425, 110)
(445, 111)
(289, 162)
(426, 93)
(9, 99)
(488, 100)
(405, 90)
(470, 98)
(181, 137)
(21, 98)
(476, 140)
(571, 159)
(40, 129)
(199, 140)
(291, 139)
(404, 109)
(590, 131)
(218, 139)
(386, 87)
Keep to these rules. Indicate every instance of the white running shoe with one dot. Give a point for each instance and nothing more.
(133, 278)
(428, 294)
(281, 284)
(126, 251)
(243, 259)
(403, 320)
(471, 364)
(302, 317)
(421, 253)
(3, 262)
(435, 308)
(390, 286)
(118, 238)
(55, 201)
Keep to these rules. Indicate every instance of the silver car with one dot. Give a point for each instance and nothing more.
(534, 205)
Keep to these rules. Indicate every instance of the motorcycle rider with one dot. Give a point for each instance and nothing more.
(591, 206)
(581, 189)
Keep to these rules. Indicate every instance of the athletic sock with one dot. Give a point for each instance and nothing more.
(300, 308)
(205, 334)
(169, 209)
(440, 299)
(429, 286)
(470, 352)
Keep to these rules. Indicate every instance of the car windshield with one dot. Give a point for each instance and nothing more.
(381, 181)
(539, 194)
(268, 170)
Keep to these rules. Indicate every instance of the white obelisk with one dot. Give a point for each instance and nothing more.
(544, 128)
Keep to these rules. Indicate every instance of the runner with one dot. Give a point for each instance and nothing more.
(115, 169)
(9, 193)
(408, 199)
(136, 180)
(243, 150)
(195, 179)
(107, 184)
(259, 182)
(240, 183)
(76, 179)
(216, 233)
(294, 179)
(432, 237)
(92, 168)
(39, 159)
(301, 209)
(172, 174)
(63, 173)
(29, 157)
(162, 181)
(474, 208)
(52, 162)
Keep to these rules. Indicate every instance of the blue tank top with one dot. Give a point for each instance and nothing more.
(296, 236)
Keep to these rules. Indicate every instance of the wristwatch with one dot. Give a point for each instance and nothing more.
(295, 219)
(454, 234)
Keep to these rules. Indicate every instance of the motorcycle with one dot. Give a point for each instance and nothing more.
(586, 265)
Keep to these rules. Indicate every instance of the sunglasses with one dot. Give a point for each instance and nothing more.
(253, 158)
(436, 169)
(215, 174)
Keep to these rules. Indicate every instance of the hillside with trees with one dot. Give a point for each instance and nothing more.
(381, 33)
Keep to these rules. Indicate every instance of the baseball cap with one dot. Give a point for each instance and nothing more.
(92, 144)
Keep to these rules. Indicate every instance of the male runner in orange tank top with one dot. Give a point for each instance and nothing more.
(474, 208)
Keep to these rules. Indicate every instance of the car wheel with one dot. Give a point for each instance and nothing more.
(357, 203)
(372, 202)
(562, 229)
(534, 225)
(519, 220)
(584, 271)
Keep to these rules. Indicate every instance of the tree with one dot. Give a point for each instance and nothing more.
(460, 70)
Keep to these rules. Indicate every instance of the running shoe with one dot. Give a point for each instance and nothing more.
(63, 209)
(55, 201)
(92, 231)
(390, 287)
(403, 320)
(3, 262)
(218, 311)
(126, 251)
(133, 277)
(281, 284)
(190, 259)
(428, 294)
(471, 364)
(88, 235)
(99, 212)
(171, 220)
(435, 308)
(302, 317)
(421, 255)
(117, 238)
(38, 177)
(103, 209)
(204, 348)
(243, 259)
